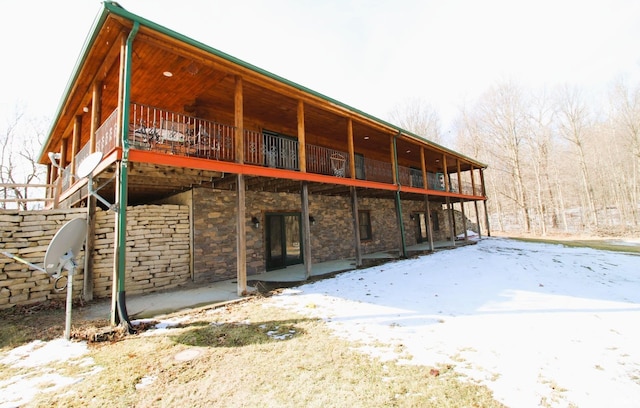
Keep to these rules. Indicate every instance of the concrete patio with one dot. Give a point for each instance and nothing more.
(194, 296)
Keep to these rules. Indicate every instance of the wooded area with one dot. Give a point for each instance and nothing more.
(557, 163)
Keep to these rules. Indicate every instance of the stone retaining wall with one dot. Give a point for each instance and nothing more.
(26, 234)
(158, 256)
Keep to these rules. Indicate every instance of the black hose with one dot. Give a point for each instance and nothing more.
(123, 316)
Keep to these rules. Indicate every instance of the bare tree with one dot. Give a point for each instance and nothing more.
(503, 125)
(418, 117)
(573, 121)
(19, 146)
(625, 123)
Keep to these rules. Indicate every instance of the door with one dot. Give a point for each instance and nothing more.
(422, 229)
(284, 240)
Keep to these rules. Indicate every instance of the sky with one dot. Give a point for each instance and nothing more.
(533, 322)
(373, 55)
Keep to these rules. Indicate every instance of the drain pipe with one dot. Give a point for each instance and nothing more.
(123, 192)
(398, 202)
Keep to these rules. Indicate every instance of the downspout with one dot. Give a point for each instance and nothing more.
(124, 163)
(398, 202)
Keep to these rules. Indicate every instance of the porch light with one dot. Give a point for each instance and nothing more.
(255, 221)
(312, 220)
(168, 74)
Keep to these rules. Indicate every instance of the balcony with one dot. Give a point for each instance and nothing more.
(162, 131)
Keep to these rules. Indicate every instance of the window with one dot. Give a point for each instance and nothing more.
(435, 224)
(364, 219)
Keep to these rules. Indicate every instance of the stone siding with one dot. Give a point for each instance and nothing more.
(158, 243)
(27, 234)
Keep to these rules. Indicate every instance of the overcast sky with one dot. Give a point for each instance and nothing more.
(370, 54)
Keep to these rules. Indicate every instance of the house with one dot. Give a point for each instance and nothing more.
(272, 173)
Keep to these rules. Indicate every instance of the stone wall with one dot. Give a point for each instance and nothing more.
(332, 236)
(158, 257)
(27, 234)
(166, 247)
(158, 243)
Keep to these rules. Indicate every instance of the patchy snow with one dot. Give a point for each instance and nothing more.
(537, 323)
(38, 355)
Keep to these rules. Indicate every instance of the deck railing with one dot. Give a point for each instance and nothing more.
(163, 131)
(375, 170)
(24, 196)
(321, 160)
(269, 150)
(106, 135)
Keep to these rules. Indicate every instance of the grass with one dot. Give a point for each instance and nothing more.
(600, 244)
(243, 355)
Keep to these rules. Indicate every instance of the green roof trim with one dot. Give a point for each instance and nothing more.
(115, 8)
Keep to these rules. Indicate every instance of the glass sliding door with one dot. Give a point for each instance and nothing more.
(283, 240)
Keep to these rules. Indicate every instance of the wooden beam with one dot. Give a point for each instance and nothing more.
(423, 166)
(464, 219)
(121, 79)
(241, 236)
(87, 289)
(459, 176)
(452, 225)
(475, 203)
(306, 230)
(356, 226)
(428, 220)
(473, 182)
(75, 145)
(446, 173)
(238, 115)
(352, 153)
(96, 113)
(302, 151)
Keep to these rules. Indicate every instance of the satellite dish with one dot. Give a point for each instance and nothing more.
(89, 164)
(64, 246)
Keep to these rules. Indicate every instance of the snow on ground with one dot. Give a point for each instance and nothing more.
(38, 356)
(536, 323)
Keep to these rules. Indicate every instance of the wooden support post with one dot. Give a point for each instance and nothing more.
(241, 236)
(87, 287)
(475, 204)
(464, 219)
(75, 147)
(192, 238)
(484, 194)
(446, 173)
(423, 166)
(352, 151)
(459, 177)
(473, 183)
(96, 113)
(356, 225)
(452, 225)
(428, 220)
(306, 230)
(238, 102)
(302, 150)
